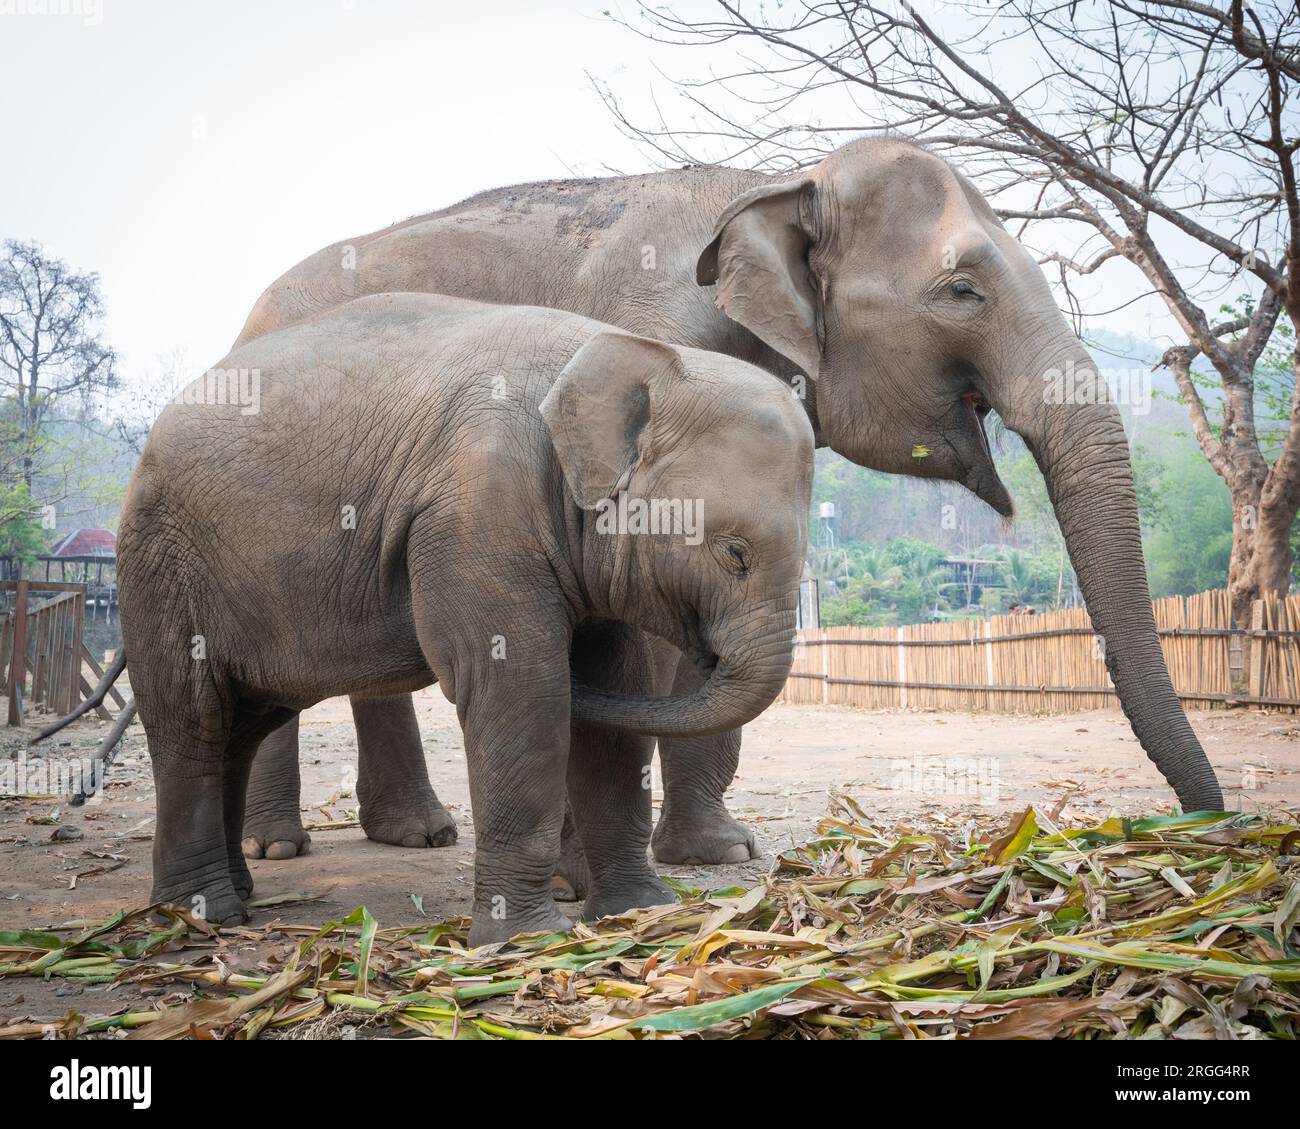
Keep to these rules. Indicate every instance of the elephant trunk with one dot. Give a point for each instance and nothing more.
(751, 668)
(1076, 435)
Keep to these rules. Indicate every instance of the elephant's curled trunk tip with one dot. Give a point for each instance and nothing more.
(727, 700)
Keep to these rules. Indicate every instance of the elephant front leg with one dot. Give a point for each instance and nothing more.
(572, 878)
(516, 742)
(695, 826)
(272, 823)
(609, 789)
(609, 778)
(398, 804)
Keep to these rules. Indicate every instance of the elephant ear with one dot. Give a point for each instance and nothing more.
(600, 408)
(758, 257)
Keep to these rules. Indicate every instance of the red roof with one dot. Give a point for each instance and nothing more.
(87, 543)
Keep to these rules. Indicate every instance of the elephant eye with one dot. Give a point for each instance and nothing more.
(734, 555)
(966, 291)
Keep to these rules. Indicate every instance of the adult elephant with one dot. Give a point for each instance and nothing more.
(882, 276)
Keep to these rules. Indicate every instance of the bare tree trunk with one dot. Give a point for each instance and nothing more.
(1264, 511)
(1245, 531)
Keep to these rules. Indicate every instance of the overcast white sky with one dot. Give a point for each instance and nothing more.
(190, 153)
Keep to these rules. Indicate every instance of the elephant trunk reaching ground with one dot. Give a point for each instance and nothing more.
(1076, 436)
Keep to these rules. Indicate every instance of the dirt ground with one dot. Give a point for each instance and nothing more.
(60, 864)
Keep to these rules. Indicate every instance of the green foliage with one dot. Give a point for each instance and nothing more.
(59, 446)
(902, 581)
(1188, 550)
(20, 529)
(1031, 579)
(846, 611)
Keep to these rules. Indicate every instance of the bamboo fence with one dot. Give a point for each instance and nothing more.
(43, 641)
(1052, 663)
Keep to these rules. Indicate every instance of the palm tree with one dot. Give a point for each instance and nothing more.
(1018, 575)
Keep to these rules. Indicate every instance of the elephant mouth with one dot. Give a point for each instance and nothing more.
(706, 664)
(975, 454)
(979, 408)
(695, 644)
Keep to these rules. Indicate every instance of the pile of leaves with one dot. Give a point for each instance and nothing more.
(1181, 926)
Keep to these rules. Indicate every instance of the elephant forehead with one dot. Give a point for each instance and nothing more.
(734, 389)
(900, 198)
(764, 427)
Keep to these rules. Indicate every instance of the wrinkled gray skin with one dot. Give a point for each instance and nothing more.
(475, 559)
(881, 273)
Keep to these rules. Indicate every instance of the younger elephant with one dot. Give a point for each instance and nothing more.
(428, 535)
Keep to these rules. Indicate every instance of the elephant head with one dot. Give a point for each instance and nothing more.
(885, 276)
(658, 446)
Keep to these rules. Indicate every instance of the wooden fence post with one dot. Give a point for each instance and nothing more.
(74, 652)
(988, 663)
(902, 671)
(1255, 686)
(18, 664)
(826, 668)
(1236, 663)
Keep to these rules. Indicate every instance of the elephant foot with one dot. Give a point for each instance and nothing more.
(217, 904)
(486, 931)
(398, 804)
(572, 878)
(276, 837)
(621, 897)
(703, 839)
(424, 823)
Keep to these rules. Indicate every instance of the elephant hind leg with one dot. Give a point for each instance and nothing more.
(272, 822)
(398, 804)
(571, 881)
(191, 853)
(695, 827)
(248, 732)
(201, 745)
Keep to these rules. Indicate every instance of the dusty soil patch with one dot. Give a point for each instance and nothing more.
(940, 769)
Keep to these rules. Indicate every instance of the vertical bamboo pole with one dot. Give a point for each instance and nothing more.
(41, 633)
(988, 664)
(826, 667)
(74, 652)
(1236, 663)
(902, 671)
(53, 694)
(18, 664)
(1255, 685)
